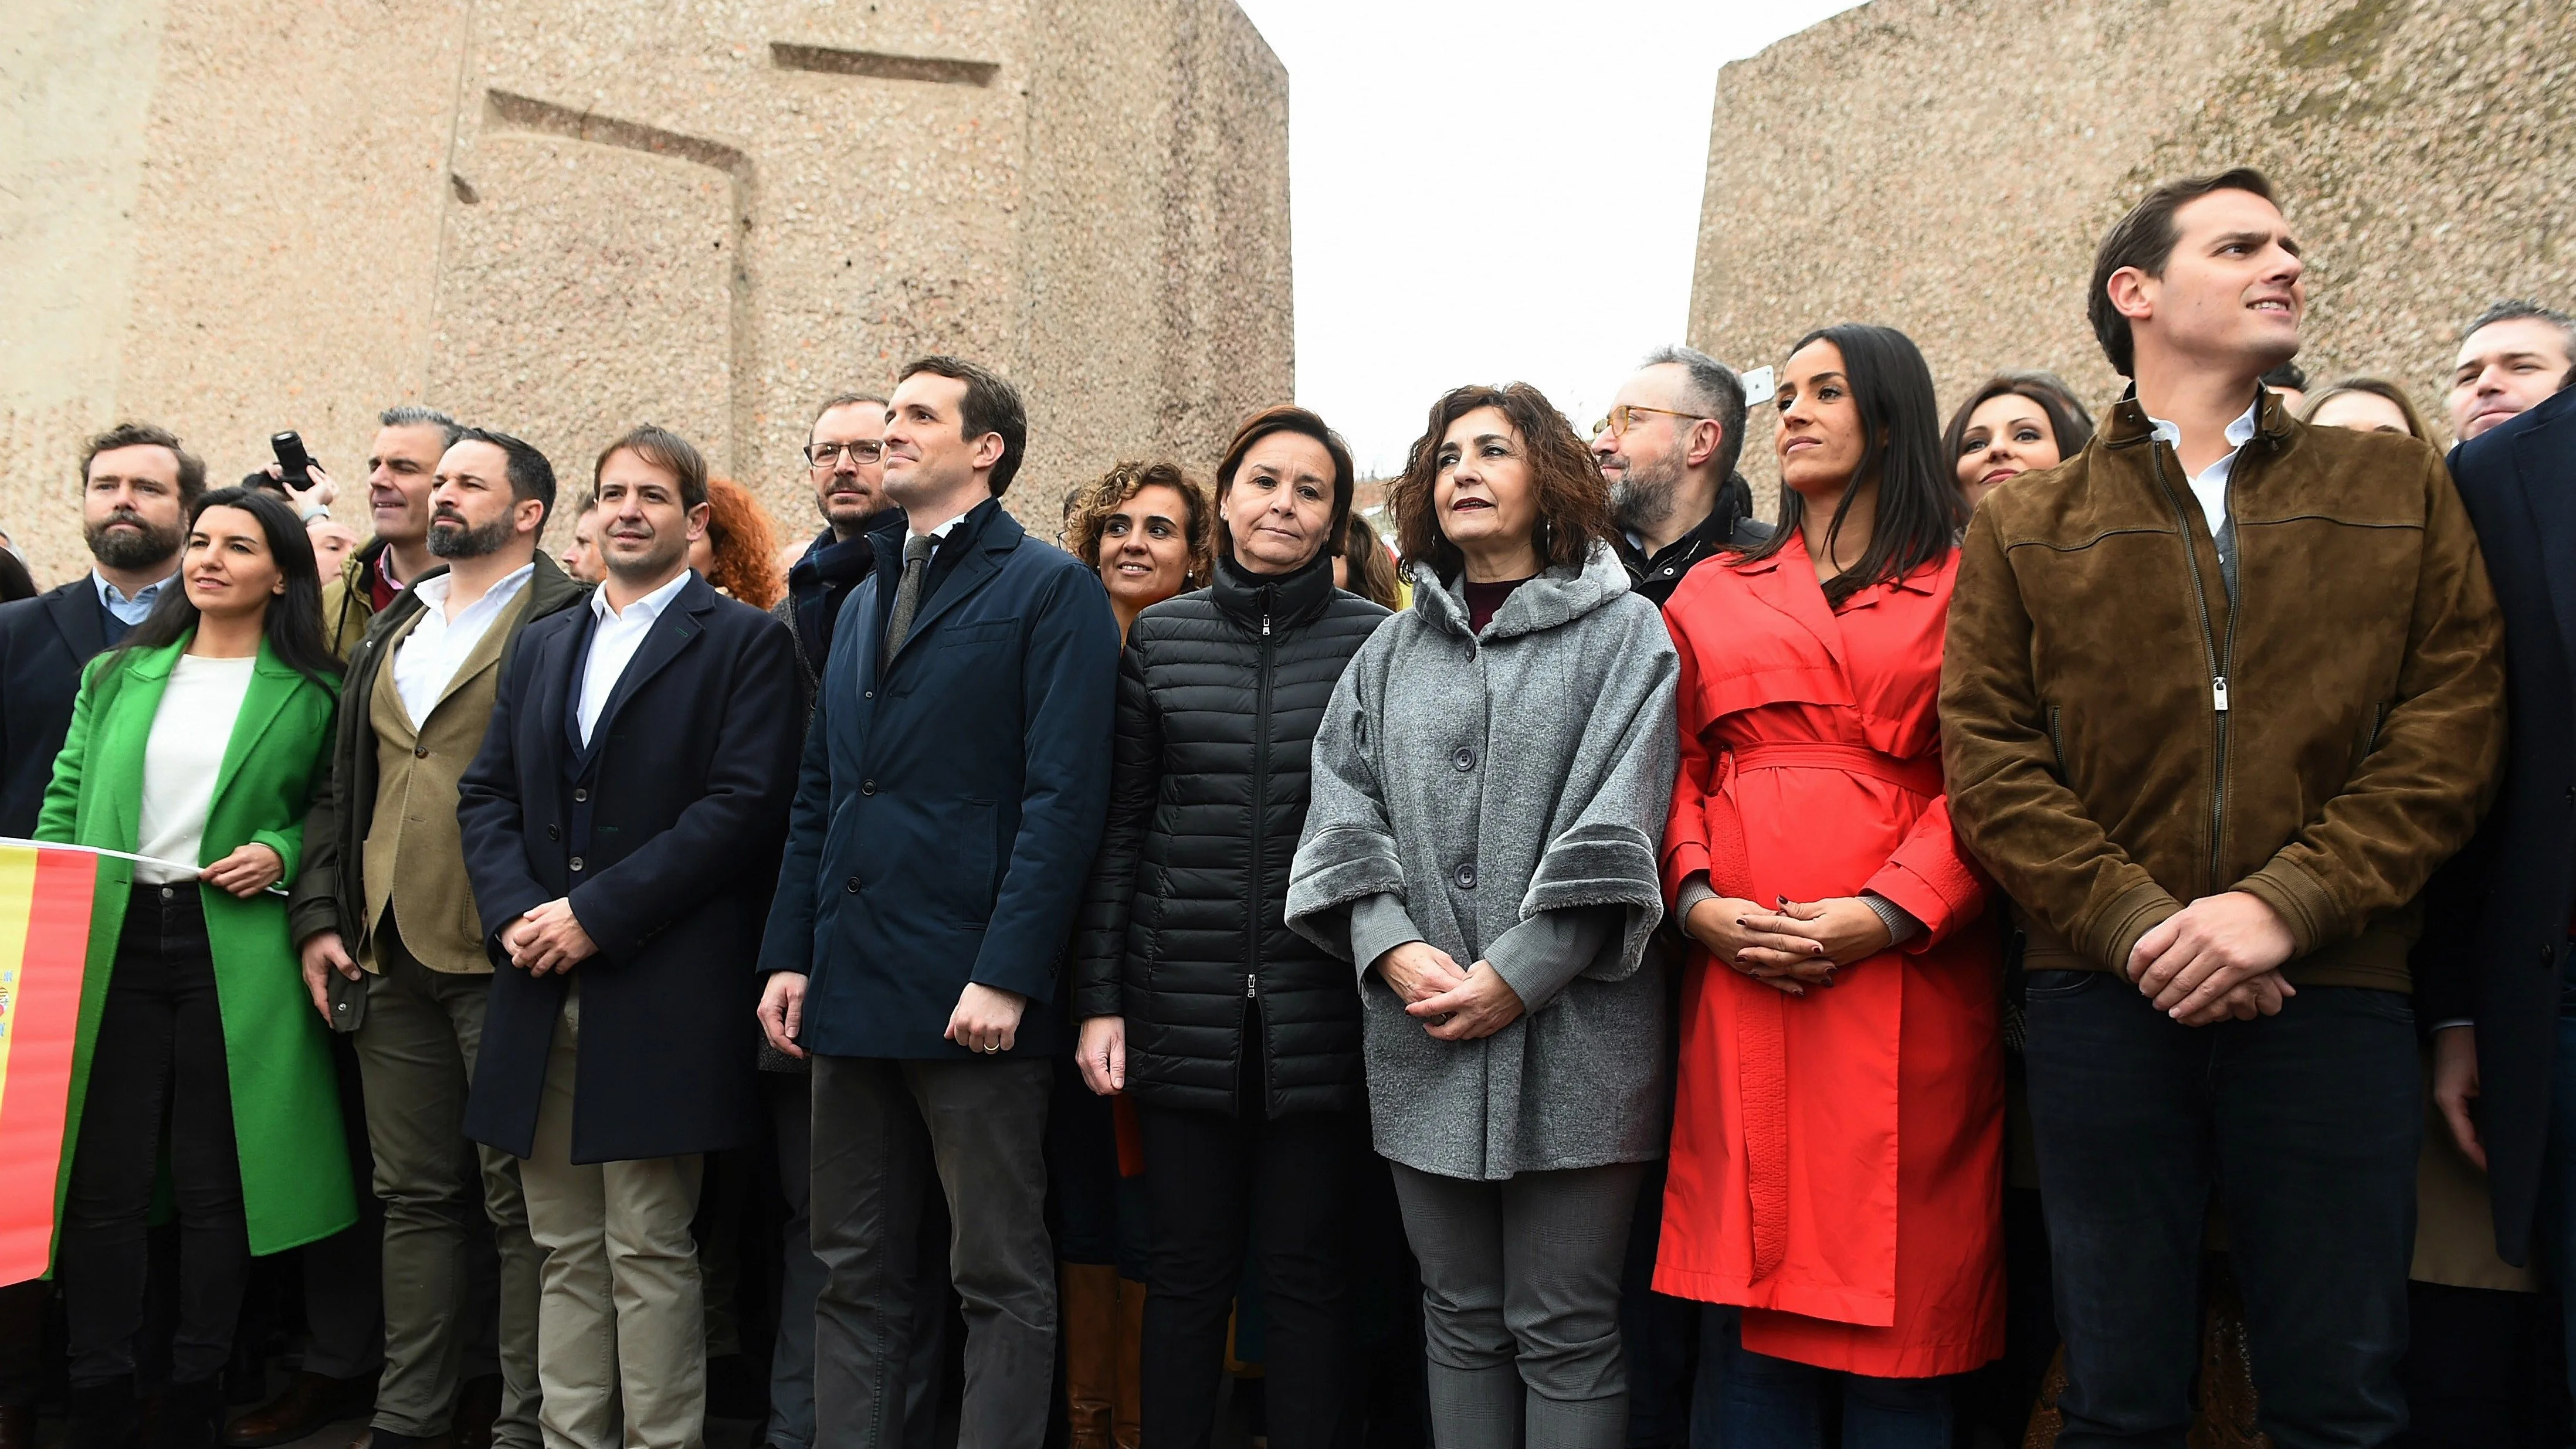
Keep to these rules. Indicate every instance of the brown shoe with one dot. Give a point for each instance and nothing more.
(311, 1402)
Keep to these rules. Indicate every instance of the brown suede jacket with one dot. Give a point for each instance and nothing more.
(2119, 740)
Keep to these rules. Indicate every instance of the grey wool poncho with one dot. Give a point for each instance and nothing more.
(1503, 796)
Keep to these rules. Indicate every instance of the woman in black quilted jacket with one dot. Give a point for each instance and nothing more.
(1238, 1039)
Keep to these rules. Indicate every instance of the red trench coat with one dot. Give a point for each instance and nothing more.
(1837, 1159)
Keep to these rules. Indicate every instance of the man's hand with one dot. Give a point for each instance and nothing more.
(2455, 1088)
(246, 872)
(2207, 949)
(1418, 970)
(549, 938)
(1479, 1006)
(2255, 996)
(324, 953)
(1103, 1055)
(782, 1011)
(987, 1018)
(319, 497)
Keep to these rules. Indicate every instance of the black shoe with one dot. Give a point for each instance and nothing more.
(192, 1416)
(103, 1415)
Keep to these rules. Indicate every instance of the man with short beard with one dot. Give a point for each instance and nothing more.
(844, 461)
(137, 483)
(383, 900)
(1668, 450)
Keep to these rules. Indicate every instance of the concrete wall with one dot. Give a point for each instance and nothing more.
(562, 217)
(1948, 167)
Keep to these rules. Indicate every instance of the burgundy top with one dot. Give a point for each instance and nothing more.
(1484, 599)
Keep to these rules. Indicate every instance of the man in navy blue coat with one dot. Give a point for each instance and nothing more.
(2496, 978)
(955, 784)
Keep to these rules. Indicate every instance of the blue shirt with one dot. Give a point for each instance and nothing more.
(128, 612)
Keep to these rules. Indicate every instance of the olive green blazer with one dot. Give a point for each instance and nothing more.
(286, 1105)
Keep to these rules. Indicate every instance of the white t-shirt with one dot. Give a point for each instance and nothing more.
(182, 758)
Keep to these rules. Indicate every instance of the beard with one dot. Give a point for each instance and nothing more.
(1643, 496)
(122, 549)
(450, 538)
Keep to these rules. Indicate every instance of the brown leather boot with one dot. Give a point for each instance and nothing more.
(1128, 1425)
(1087, 1307)
(309, 1403)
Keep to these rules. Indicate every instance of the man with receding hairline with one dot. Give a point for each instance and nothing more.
(2512, 356)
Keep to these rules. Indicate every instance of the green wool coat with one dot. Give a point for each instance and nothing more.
(286, 1104)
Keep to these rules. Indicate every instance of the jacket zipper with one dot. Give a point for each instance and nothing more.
(2057, 738)
(2211, 655)
(1260, 831)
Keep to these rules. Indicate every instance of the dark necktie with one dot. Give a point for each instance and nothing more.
(907, 595)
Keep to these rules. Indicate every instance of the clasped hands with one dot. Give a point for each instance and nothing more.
(1793, 945)
(1452, 1005)
(2217, 959)
(548, 939)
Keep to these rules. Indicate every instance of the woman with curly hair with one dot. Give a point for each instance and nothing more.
(739, 551)
(1145, 526)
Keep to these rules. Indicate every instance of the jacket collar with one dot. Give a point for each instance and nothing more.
(272, 683)
(981, 538)
(2128, 425)
(832, 561)
(1286, 600)
(1557, 596)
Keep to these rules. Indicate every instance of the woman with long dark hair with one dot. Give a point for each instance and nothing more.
(196, 743)
(1833, 991)
(1489, 784)
(2014, 423)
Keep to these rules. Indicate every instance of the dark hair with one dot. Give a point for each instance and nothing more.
(531, 476)
(665, 450)
(2376, 387)
(1919, 512)
(413, 415)
(293, 624)
(745, 544)
(1088, 512)
(2067, 417)
(1371, 568)
(1289, 418)
(192, 472)
(2145, 239)
(1573, 501)
(2288, 375)
(2515, 309)
(992, 405)
(840, 400)
(1717, 392)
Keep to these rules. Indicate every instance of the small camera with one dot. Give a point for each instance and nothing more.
(292, 461)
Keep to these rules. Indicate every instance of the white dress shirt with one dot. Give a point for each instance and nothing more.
(2210, 487)
(181, 757)
(613, 642)
(427, 659)
(128, 612)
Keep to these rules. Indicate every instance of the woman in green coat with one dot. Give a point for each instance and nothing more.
(196, 741)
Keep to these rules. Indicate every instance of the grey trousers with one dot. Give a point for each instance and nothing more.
(416, 1054)
(1520, 1299)
(887, 1134)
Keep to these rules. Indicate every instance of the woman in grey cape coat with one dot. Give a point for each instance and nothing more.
(1489, 791)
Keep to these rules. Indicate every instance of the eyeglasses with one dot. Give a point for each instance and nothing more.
(824, 455)
(1626, 413)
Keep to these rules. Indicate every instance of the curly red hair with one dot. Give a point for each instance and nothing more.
(745, 544)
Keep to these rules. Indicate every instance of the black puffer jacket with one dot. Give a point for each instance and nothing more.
(1219, 695)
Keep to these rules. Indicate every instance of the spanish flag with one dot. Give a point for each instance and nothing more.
(44, 949)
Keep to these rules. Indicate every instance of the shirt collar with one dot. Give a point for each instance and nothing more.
(432, 591)
(107, 592)
(943, 530)
(2239, 432)
(651, 604)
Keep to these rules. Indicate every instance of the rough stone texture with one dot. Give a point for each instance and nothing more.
(562, 217)
(1948, 167)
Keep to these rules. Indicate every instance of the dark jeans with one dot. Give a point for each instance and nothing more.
(159, 1050)
(1661, 1333)
(886, 1136)
(2306, 1124)
(1773, 1403)
(1282, 1189)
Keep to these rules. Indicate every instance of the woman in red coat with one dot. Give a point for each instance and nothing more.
(1837, 1142)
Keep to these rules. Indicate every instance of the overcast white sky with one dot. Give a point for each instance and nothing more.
(1486, 190)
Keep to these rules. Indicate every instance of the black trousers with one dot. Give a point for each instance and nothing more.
(159, 1050)
(1282, 1187)
(2307, 1125)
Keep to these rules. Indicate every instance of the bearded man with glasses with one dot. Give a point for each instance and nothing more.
(1668, 451)
(845, 464)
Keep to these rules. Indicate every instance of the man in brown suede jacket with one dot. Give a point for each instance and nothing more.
(2219, 695)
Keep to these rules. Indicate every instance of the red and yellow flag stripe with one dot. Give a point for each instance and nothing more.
(44, 950)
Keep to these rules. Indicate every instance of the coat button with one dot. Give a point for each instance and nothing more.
(553, 834)
(1467, 876)
(1465, 759)
(579, 796)
(867, 787)
(851, 885)
(576, 862)
(867, 694)
(420, 752)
